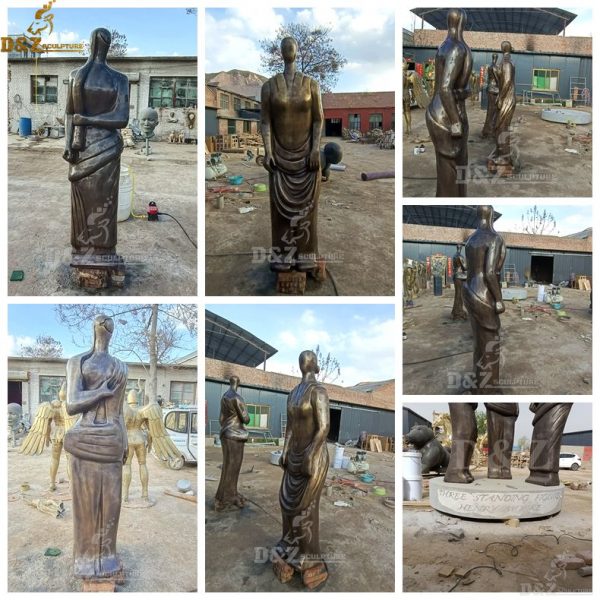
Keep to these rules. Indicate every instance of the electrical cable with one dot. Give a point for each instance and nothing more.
(420, 362)
(180, 225)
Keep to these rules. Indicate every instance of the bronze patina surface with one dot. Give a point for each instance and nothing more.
(493, 79)
(460, 275)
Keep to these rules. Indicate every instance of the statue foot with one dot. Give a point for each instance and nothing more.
(459, 476)
(304, 266)
(52, 487)
(282, 570)
(499, 473)
(543, 478)
(239, 501)
(315, 577)
(279, 266)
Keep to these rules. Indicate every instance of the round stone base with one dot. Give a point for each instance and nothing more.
(495, 499)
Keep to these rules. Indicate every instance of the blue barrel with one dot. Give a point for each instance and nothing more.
(24, 126)
(437, 285)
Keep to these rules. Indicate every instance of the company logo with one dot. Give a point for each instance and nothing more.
(42, 24)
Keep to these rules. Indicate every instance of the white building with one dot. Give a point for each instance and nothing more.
(35, 380)
(37, 88)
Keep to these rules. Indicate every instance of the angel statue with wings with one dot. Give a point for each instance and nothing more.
(48, 429)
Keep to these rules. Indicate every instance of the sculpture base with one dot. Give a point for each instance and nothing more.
(98, 271)
(292, 283)
(138, 503)
(495, 499)
(282, 570)
(107, 584)
(500, 169)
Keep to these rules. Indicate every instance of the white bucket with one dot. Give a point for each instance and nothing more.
(412, 480)
(540, 296)
(275, 456)
(345, 462)
(125, 195)
(339, 457)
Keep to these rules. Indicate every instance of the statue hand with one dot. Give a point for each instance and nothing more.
(308, 466)
(269, 163)
(78, 119)
(69, 155)
(500, 307)
(456, 129)
(283, 460)
(314, 161)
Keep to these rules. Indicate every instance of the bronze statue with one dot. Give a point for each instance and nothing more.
(501, 417)
(485, 252)
(97, 444)
(493, 83)
(233, 417)
(49, 427)
(504, 158)
(446, 115)
(305, 462)
(16, 423)
(145, 430)
(460, 275)
(97, 108)
(548, 425)
(291, 123)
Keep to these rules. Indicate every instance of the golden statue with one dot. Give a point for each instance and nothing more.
(145, 428)
(49, 427)
(412, 90)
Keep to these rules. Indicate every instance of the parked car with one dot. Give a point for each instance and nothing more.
(569, 460)
(182, 425)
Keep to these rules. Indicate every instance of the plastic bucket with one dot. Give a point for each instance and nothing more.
(24, 126)
(541, 290)
(339, 457)
(412, 480)
(275, 456)
(345, 462)
(125, 195)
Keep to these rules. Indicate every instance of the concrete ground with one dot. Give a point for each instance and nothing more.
(158, 545)
(433, 540)
(540, 355)
(355, 228)
(160, 260)
(359, 539)
(547, 170)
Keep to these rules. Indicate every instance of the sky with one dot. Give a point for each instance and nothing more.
(569, 219)
(27, 321)
(362, 337)
(580, 26)
(149, 31)
(580, 417)
(365, 37)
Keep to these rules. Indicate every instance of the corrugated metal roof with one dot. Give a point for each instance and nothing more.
(463, 216)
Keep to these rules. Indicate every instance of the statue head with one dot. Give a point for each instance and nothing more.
(15, 412)
(459, 247)
(234, 382)
(100, 40)
(103, 329)
(485, 215)
(132, 398)
(457, 21)
(506, 48)
(148, 121)
(308, 362)
(333, 153)
(289, 49)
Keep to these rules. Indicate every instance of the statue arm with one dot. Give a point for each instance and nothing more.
(447, 95)
(79, 399)
(320, 404)
(265, 124)
(317, 125)
(115, 119)
(242, 411)
(493, 263)
(69, 120)
(288, 438)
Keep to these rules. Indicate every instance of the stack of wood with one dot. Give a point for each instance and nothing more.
(378, 443)
(583, 283)
(388, 141)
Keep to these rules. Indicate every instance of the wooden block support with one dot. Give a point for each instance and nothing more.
(282, 570)
(291, 282)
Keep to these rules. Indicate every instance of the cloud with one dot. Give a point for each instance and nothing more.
(308, 318)
(15, 343)
(288, 339)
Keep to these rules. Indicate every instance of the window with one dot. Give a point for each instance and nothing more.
(545, 79)
(49, 387)
(259, 416)
(231, 129)
(248, 104)
(194, 426)
(177, 421)
(183, 392)
(224, 100)
(375, 121)
(173, 92)
(354, 122)
(237, 104)
(247, 126)
(44, 89)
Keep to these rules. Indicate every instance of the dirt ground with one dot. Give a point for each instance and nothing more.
(235, 559)
(432, 540)
(160, 260)
(349, 209)
(538, 356)
(157, 545)
(547, 170)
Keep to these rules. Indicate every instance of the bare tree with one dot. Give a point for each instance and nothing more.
(316, 57)
(118, 44)
(151, 333)
(524, 443)
(330, 369)
(538, 222)
(45, 346)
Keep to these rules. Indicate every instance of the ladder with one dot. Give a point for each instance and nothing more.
(283, 424)
(578, 91)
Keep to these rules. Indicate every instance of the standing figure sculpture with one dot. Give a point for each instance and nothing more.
(233, 417)
(49, 427)
(548, 425)
(97, 108)
(460, 275)
(97, 444)
(485, 252)
(505, 160)
(493, 87)
(16, 423)
(305, 462)
(429, 76)
(446, 115)
(145, 430)
(291, 124)
(501, 418)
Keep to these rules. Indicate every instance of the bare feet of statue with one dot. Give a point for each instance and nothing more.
(459, 476)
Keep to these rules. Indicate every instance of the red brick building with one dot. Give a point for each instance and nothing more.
(362, 111)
